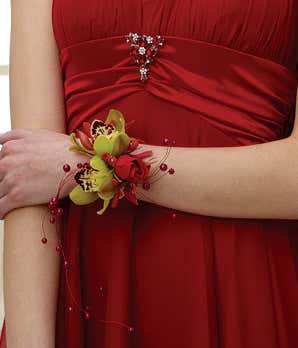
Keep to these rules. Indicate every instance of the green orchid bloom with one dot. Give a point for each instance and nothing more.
(108, 136)
(93, 184)
(111, 139)
(99, 138)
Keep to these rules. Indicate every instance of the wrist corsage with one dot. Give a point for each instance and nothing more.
(115, 168)
(113, 171)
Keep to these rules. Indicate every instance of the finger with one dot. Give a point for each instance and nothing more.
(3, 168)
(5, 206)
(15, 133)
(10, 146)
(3, 188)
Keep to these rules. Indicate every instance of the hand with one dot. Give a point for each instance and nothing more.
(31, 167)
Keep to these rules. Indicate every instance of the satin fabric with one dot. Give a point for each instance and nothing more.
(226, 76)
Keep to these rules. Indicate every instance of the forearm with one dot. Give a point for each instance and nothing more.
(30, 279)
(255, 181)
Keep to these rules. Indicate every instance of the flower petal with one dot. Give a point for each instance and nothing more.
(120, 144)
(97, 163)
(80, 197)
(108, 190)
(79, 147)
(105, 205)
(102, 179)
(85, 141)
(117, 118)
(86, 129)
(102, 145)
(106, 194)
(132, 197)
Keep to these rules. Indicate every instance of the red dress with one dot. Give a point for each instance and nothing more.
(226, 76)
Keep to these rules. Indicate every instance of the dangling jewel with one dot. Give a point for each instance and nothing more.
(143, 72)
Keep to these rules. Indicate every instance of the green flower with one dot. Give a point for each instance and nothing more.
(101, 137)
(111, 139)
(94, 141)
(93, 184)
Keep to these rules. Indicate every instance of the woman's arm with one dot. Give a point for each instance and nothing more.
(36, 100)
(255, 181)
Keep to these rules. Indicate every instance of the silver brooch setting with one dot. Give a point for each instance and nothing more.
(143, 49)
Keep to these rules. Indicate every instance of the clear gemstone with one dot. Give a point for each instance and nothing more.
(142, 50)
(135, 37)
(143, 72)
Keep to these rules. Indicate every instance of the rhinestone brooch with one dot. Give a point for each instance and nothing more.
(143, 49)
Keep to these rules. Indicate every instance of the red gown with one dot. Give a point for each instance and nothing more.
(226, 76)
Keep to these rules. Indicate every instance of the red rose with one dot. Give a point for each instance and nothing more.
(131, 168)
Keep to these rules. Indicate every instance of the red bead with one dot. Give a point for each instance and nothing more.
(163, 167)
(54, 199)
(53, 211)
(131, 329)
(86, 165)
(112, 161)
(44, 240)
(58, 248)
(59, 211)
(87, 308)
(174, 216)
(171, 171)
(66, 264)
(51, 205)
(174, 142)
(146, 185)
(148, 52)
(70, 309)
(66, 167)
(52, 220)
(79, 165)
(101, 289)
(87, 315)
(166, 141)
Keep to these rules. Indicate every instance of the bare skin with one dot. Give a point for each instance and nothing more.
(239, 183)
(256, 181)
(36, 98)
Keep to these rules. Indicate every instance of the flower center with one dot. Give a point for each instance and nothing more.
(101, 128)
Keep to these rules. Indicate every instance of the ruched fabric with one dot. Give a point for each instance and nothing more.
(266, 97)
(226, 76)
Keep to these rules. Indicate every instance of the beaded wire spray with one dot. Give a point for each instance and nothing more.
(55, 211)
